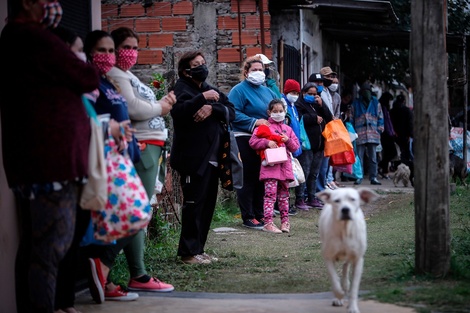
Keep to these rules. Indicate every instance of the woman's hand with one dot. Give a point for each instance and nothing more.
(318, 100)
(211, 95)
(203, 113)
(167, 102)
(284, 138)
(261, 121)
(319, 119)
(128, 131)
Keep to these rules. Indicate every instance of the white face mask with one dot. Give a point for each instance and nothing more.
(81, 56)
(256, 77)
(278, 117)
(333, 87)
(292, 98)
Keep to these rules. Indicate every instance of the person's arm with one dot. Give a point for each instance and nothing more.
(139, 109)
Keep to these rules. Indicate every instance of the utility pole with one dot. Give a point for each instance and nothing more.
(430, 95)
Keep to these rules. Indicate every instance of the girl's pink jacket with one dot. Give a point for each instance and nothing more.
(282, 171)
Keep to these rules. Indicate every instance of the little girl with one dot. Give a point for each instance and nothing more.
(276, 177)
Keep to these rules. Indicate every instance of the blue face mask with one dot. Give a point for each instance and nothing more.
(319, 89)
(309, 98)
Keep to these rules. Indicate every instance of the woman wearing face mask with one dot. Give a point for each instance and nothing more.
(251, 100)
(45, 141)
(315, 116)
(146, 114)
(197, 117)
(99, 49)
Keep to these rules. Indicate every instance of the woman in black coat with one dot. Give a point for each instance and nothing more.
(315, 116)
(197, 117)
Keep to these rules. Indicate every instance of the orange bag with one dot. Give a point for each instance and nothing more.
(337, 138)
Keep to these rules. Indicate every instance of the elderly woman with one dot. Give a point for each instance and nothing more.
(250, 98)
(197, 116)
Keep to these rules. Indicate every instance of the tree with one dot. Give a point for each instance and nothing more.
(429, 74)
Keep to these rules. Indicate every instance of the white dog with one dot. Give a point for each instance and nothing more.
(344, 238)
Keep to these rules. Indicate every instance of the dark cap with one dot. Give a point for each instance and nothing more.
(366, 86)
(315, 77)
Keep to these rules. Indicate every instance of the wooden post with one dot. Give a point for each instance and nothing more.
(431, 164)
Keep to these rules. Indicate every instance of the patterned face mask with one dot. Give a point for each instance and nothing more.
(52, 14)
(104, 62)
(126, 58)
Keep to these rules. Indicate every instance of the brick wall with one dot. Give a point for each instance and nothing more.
(168, 28)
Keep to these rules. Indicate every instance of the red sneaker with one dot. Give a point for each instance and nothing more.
(96, 281)
(154, 284)
(119, 295)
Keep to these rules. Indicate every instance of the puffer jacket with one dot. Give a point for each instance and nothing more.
(281, 171)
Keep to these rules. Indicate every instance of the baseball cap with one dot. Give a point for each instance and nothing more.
(264, 59)
(316, 77)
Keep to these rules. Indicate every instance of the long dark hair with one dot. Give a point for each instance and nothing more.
(122, 33)
(91, 39)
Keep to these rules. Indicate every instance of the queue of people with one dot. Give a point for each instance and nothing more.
(47, 185)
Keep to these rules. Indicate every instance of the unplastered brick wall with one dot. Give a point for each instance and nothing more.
(169, 28)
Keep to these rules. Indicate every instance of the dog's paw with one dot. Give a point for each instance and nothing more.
(337, 302)
(353, 310)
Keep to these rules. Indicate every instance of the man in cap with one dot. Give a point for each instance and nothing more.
(368, 121)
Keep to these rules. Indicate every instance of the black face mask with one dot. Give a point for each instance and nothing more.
(199, 73)
(327, 82)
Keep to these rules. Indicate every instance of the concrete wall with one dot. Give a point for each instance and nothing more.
(8, 226)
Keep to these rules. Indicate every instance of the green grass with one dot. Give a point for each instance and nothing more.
(256, 262)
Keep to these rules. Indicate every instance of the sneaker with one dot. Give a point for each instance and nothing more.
(120, 295)
(261, 221)
(209, 257)
(316, 203)
(195, 259)
(96, 281)
(253, 224)
(358, 181)
(285, 227)
(301, 205)
(272, 228)
(154, 284)
(375, 182)
(292, 212)
(276, 212)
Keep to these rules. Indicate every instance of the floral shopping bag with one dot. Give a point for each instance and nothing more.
(127, 208)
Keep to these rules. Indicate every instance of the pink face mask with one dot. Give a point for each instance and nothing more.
(104, 61)
(52, 14)
(126, 58)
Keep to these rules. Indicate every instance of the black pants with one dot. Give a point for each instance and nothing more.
(200, 196)
(67, 275)
(250, 197)
(389, 152)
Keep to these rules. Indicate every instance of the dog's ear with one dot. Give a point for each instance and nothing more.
(367, 194)
(324, 195)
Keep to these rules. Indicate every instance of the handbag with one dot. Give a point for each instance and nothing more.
(230, 162)
(303, 136)
(275, 155)
(299, 176)
(127, 209)
(95, 193)
(337, 138)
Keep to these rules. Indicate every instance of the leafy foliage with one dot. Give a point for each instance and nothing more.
(390, 63)
(158, 85)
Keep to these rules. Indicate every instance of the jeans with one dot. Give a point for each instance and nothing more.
(370, 148)
(310, 162)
